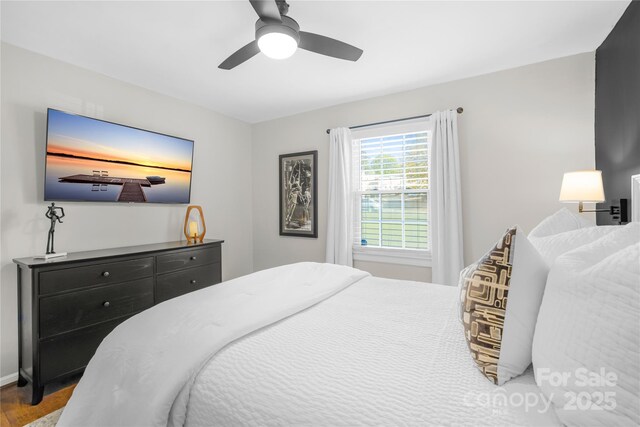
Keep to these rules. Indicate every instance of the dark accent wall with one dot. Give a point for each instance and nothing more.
(617, 120)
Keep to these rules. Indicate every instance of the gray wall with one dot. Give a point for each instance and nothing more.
(618, 108)
(520, 131)
(31, 83)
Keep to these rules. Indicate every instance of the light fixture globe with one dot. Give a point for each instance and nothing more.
(277, 45)
(278, 40)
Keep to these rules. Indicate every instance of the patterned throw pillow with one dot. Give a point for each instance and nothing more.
(500, 298)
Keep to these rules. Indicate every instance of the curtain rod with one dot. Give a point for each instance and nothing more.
(459, 111)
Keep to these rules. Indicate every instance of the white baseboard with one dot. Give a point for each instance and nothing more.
(8, 379)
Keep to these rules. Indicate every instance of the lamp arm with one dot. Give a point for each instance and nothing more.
(594, 210)
(612, 210)
(582, 210)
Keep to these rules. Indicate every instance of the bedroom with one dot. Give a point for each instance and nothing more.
(545, 88)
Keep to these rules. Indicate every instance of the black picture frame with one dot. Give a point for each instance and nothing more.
(298, 192)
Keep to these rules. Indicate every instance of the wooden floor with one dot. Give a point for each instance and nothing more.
(17, 409)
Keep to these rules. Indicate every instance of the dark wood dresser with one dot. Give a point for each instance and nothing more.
(67, 305)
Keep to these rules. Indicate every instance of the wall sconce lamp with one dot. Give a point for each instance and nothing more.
(586, 187)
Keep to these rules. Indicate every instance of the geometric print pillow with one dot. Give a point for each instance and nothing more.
(500, 296)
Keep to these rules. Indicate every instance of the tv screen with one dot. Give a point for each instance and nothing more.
(94, 160)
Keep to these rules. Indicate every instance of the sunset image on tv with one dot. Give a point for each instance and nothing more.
(94, 160)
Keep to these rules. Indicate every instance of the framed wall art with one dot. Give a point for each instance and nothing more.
(299, 194)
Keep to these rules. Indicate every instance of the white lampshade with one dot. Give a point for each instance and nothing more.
(277, 45)
(582, 186)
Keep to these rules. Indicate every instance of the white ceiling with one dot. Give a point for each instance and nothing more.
(174, 47)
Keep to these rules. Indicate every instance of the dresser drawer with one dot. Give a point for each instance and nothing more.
(95, 274)
(71, 352)
(66, 312)
(171, 285)
(188, 258)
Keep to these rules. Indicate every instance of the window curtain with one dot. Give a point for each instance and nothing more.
(340, 209)
(446, 206)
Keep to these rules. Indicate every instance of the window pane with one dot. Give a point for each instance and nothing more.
(370, 207)
(398, 163)
(391, 235)
(415, 207)
(391, 207)
(371, 233)
(415, 236)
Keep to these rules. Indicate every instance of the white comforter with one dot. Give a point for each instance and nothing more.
(377, 352)
(381, 352)
(141, 367)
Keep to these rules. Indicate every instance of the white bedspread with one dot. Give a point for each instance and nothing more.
(140, 368)
(381, 352)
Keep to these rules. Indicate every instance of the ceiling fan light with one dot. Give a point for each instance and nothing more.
(277, 45)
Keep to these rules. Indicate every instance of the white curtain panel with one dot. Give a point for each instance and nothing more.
(340, 209)
(445, 206)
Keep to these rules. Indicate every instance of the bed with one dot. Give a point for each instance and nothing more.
(369, 352)
(317, 344)
(381, 352)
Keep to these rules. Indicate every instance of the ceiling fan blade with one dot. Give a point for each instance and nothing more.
(246, 52)
(328, 46)
(267, 10)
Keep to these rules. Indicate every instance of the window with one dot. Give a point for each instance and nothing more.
(392, 197)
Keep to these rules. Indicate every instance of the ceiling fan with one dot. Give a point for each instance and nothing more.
(278, 37)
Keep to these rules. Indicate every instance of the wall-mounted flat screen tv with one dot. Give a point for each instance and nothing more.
(92, 160)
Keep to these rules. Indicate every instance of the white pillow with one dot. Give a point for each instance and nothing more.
(559, 222)
(551, 247)
(500, 297)
(589, 327)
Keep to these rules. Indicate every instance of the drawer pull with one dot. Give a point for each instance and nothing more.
(193, 282)
(193, 258)
(105, 274)
(106, 304)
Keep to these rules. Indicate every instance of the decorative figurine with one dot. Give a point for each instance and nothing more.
(55, 214)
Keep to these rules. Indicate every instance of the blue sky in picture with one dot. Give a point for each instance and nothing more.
(82, 136)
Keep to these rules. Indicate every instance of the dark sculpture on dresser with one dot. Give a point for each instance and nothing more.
(54, 216)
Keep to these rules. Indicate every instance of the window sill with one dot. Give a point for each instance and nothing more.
(412, 257)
